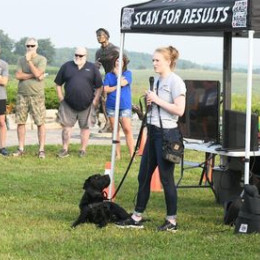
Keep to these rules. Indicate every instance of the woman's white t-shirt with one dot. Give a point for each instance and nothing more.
(169, 88)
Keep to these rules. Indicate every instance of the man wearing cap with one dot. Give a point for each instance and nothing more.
(3, 97)
(104, 58)
(30, 97)
(82, 89)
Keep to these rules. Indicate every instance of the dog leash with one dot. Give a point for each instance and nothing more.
(139, 138)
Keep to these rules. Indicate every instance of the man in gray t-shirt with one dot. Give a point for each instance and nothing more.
(3, 97)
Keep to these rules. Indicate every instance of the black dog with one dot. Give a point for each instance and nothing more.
(94, 208)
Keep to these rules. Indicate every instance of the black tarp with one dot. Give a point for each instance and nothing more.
(192, 17)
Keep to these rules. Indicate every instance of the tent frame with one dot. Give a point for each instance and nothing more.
(227, 73)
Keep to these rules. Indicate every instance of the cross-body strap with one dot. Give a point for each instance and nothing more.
(158, 107)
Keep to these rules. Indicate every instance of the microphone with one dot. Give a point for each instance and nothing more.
(151, 81)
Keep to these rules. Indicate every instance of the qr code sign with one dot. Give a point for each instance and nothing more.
(243, 228)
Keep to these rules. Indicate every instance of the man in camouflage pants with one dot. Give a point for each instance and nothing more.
(30, 97)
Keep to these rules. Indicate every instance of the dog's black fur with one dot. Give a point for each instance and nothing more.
(94, 208)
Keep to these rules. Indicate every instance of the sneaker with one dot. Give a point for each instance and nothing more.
(63, 153)
(41, 155)
(168, 226)
(82, 153)
(4, 152)
(18, 153)
(129, 223)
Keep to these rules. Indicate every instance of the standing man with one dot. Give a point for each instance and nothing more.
(82, 86)
(30, 98)
(104, 56)
(3, 98)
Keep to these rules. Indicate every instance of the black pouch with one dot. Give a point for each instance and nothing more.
(172, 147)
(172, 151)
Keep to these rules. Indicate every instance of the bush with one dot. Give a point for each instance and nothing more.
(51, 99)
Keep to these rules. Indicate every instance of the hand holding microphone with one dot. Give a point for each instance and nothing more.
(151, 96)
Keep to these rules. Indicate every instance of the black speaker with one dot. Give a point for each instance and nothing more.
(235, 129)
(226, 184)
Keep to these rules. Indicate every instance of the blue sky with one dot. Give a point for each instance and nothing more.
(73, 23)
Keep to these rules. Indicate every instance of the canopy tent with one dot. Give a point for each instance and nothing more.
(223, 18)
(203, 17)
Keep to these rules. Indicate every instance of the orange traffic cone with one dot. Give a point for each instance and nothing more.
(142, 143)
(156, 185)
(108, 171)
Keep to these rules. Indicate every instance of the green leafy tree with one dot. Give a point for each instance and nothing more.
(7, 46)
(62, 55)
(46, 48)
(19, 47)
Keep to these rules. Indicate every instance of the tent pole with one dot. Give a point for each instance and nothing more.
(115, 128)
(248, 105)
(227, 64)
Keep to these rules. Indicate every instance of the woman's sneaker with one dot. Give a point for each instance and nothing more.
(168, 226)
(129, 223)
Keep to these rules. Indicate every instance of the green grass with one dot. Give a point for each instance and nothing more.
(39, 201)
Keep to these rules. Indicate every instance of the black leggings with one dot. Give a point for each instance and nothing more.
(152, 157)
(2, 106)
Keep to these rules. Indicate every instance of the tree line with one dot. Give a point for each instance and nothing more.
(11, 50)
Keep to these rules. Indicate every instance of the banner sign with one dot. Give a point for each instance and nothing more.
(187, 15)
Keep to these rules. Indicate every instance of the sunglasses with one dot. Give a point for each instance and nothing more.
(79, 55)
(30, 46)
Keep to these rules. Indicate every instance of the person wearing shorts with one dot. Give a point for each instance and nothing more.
(3, 97)
(82, 89)
(125, 110)
(30, 98)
